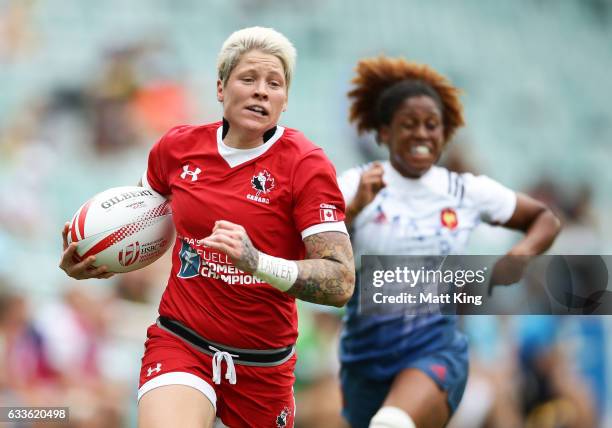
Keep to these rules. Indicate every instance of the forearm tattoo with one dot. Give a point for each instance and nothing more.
(251, 255)
(248, 257)
(327, 276)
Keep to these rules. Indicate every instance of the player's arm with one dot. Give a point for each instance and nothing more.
(540, 225)
(370, 183)
(326, 277)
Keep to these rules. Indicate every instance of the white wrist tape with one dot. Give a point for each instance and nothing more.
(277, 272)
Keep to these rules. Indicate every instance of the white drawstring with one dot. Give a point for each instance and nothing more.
(217, 360)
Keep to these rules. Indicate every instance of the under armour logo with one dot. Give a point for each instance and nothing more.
(155, 369)
(193, 174)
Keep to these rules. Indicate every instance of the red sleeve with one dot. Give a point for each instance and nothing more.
(155, 176)
(316, 196)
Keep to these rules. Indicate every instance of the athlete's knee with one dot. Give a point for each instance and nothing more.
(391, 417)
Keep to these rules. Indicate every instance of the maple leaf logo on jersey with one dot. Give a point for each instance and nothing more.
(263, 182)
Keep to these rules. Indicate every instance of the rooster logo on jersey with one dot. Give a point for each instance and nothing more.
(263, 182)
(448, 218)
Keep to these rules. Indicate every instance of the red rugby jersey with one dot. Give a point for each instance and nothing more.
(280, 192)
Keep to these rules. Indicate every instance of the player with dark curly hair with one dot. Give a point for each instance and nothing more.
(399, 370)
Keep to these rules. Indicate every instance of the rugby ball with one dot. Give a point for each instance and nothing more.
(126, 228)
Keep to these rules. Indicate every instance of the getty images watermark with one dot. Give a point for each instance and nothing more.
(414, 285)
(426, 279)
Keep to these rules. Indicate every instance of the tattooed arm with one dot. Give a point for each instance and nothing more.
(327, 276)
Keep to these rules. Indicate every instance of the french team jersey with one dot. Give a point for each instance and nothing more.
(280, 192)
(430, 215)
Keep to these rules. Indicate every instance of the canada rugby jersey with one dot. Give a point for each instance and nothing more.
(280, 192)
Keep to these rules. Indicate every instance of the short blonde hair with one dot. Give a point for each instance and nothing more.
(266, 40)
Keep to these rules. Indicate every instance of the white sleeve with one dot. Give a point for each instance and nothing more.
(335, 226)
(495, 202)
(348, 182)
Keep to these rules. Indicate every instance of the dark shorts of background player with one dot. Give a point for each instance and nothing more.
(363, 396)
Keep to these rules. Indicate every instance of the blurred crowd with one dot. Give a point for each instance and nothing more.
(78, 344)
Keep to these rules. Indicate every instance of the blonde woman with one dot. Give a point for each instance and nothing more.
(259, 220)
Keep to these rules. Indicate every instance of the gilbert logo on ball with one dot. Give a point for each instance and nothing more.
(126, 228)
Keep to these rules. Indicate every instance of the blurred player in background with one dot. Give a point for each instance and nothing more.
(259, 220)
(407, 371)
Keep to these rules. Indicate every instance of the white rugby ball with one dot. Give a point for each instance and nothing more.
(126, 228)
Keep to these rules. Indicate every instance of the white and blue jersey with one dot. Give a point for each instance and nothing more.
(430, 215)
